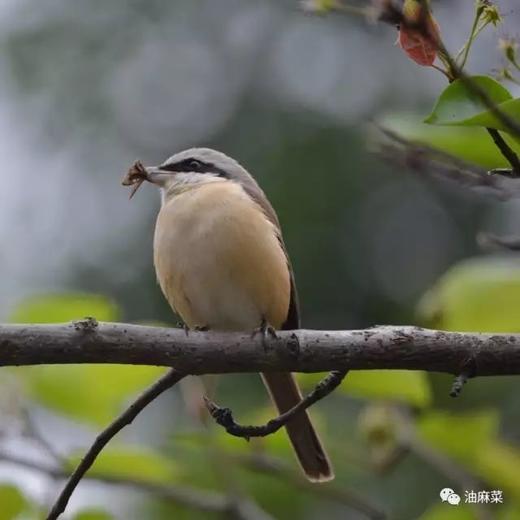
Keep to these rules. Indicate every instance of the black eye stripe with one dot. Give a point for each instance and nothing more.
(194, 165)
(188, 165)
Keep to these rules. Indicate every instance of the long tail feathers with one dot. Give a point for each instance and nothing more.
(285, 394)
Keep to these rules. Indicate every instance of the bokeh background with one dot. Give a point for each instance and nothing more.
(88, 87)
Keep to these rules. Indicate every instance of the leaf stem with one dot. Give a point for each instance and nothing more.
(475, 31)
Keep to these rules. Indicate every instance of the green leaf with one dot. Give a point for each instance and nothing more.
(472, 144)
(131, 462)
(12, 502)
(52, 308)
(475, 295)
(398, 385)
(458, 106)
(88, 393)
(487, 119)
(460, 435)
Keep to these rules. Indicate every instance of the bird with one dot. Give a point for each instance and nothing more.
(222, 265)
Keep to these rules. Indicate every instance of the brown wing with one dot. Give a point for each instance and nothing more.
(255, 192)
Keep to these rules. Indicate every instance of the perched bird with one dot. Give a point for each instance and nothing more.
(222, 265)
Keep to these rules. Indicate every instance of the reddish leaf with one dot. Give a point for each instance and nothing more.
(419, 34)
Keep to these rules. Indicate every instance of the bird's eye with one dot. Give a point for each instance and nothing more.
(194, 165)
(186, 165)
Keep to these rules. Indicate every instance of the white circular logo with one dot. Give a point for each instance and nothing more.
(448, 495)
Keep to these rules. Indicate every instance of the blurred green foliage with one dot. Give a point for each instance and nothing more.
(92, 514)
(442, 512)
(13, 503)
(136, 463)
(460, 435)
(478, 294)
(411, 388)
(56, 308)
(100, 391)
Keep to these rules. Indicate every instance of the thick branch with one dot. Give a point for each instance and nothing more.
(382, 347)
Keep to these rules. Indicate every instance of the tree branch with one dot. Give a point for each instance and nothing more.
(506, 151)
(382, 347)
(224, 416)
(425, 160)
(167, 381)
(491, 242)
(458, 383)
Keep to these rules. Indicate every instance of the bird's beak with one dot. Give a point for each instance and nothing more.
(153, 174)
(138, 173)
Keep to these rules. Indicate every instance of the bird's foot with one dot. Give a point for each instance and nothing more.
(198, 328)
(183, 326)
(265, 330)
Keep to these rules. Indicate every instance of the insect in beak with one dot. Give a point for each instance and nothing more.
(135, 176)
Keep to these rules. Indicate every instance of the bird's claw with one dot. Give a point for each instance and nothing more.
(265, 330)
(198, 328)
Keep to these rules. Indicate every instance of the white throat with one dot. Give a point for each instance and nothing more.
(183, 181)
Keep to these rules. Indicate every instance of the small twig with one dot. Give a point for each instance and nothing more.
(458, 383)
(275, 467)
(506, 151)
(224, 416)
(489, 241)
(441, 165)
(164, 383)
